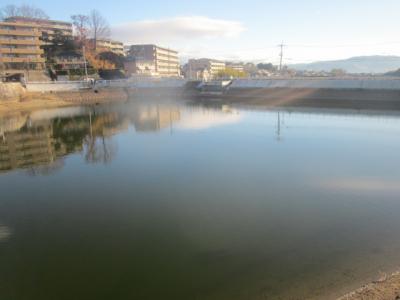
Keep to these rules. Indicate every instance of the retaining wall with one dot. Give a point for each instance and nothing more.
(320, 83)
(56, 86)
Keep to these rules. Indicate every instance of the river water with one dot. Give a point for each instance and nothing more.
(173, 200)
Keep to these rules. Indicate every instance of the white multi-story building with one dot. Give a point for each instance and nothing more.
(196, 68)
(154, 61)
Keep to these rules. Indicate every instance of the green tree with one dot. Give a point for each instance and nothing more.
(269, 67)
(59, 44)
(231, 73)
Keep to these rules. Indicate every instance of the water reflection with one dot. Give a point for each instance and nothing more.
(159, 200)
(40, 145)
(40, 140)
(5, 233)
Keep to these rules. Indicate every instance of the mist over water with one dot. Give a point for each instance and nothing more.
(171, 200)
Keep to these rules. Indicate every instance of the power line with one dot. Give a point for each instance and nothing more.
(301, 46)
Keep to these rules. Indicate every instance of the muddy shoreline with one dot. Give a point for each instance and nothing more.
(386, 287)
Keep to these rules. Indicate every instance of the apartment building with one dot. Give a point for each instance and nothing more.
(20, 46)
(154, 61)
(195, 68)
(48, 28)
(236, 66)
(105, 45)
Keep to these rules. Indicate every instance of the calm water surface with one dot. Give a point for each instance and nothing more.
(159, 200)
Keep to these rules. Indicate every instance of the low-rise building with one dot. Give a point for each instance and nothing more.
(20, 46)
(236, 66)
(70, 61)
(105, 45)
(196, 68)
(153, 60)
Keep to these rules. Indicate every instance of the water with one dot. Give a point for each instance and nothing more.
(164, 200)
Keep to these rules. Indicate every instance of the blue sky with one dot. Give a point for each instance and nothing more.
(248, 30)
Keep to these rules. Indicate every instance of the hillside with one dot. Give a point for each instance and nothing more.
(361, 64)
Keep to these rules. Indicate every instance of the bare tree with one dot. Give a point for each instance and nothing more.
(81, 25)
(99, 27)
(28, 11)
(9, 11)
(100, 150)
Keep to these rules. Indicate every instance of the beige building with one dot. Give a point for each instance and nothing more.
(104, 45)
(199, 67)
(20, 46)
(48, 28)
(154, 61)
(237, 67)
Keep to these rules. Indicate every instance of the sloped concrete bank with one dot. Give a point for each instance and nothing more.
(311, 97)
(14, 97)
(354, 93)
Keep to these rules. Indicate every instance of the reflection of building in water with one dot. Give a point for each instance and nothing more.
(154, 118)
(29, 147)
(109, 124)
(43, 143)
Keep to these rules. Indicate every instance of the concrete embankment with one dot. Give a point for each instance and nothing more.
(353, 93)
(336, 93)
(14, 97)
(336, 98)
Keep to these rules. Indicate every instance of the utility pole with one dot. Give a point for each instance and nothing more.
(84, 58)
(281, 46)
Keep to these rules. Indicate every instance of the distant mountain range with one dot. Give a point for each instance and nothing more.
(361, 64)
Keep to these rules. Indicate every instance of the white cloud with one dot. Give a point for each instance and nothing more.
(176, 30)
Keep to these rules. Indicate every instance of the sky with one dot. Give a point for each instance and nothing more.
(249, 30)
